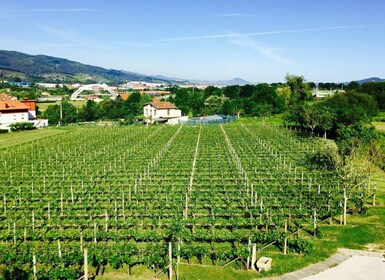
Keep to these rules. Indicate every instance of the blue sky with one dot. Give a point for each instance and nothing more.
(258, 40)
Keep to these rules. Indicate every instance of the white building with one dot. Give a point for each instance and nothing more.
(167, 112)
(14, 111)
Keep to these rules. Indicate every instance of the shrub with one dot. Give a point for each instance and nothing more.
(325, 157)
(22, 126)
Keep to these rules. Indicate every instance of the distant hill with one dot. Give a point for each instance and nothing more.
(369, 80)
(43, 68)
(235, 81)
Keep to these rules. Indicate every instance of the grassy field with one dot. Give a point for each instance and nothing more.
(44, 105)
(19, 138)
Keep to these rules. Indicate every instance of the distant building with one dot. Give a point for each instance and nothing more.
(123, 96)
(317, 93)
(20, 84)
(162, 112)
(156, 93)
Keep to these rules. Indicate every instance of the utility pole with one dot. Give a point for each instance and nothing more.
(61, 113)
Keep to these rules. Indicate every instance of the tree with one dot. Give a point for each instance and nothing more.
(231, 92)
(213, 105)
(246, 91)
(228, 108)
(352, 108)
(350, 139)
(377, 90)
(52, 113)
(352, 177)
(181, 99)
(318, 116)
(134, 105)
(196, 102)
(249, 106)
(299, 89)
(89, 111)
(263, 111)
(326, 156)
(68, 113)
(211, 90)
(354, 85)
(284, 94)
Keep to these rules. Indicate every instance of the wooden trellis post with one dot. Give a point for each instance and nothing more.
(34, 265)
(170, 260)
(285, 240)
(85, 264)
(253, 256)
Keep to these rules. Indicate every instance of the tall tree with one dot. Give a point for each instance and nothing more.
(89, 111)
(213, 105)
(299, 88)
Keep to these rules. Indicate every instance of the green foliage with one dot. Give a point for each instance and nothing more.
(352, 108)
(142, 188)
(325, 156)
(89, 112)
(68, 111)
(15, 273)
(352, 138)
(20, 126)
(377, 90)
(299, 89)
(213, 105)
(301, 245)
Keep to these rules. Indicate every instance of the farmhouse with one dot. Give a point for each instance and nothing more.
(165, 112)
(14, 111)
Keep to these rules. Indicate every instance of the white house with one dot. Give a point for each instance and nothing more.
(14, 111)
(162, 112)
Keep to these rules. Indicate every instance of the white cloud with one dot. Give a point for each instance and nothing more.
(246, 42)
(66, 10)
(218, 36)
(231, 15)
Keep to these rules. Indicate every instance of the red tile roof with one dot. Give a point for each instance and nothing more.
(12, 105)
(124, 96)
(163, 105)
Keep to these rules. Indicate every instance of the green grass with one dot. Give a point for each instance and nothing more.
(44, 105)
(379, 126)
(17, 138)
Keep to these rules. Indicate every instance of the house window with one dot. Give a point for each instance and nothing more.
(168, 112)
(154, 112)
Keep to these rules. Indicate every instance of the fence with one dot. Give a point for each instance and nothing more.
(208, 120)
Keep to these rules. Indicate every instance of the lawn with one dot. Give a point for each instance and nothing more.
(44, 105)
(21, 137)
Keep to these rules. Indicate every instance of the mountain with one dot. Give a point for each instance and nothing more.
(235, 81)
(370, 80)
(43, 68)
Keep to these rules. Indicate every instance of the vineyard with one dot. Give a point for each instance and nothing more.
(126, 193)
